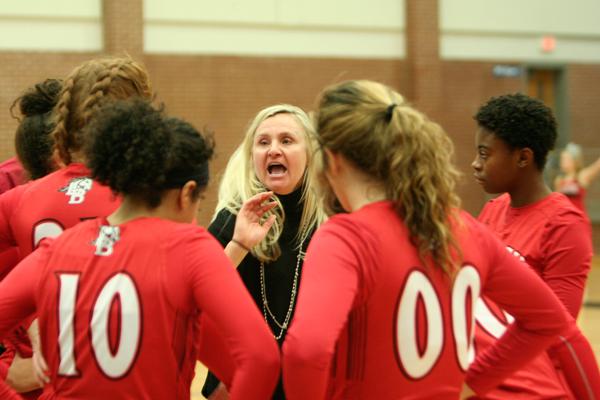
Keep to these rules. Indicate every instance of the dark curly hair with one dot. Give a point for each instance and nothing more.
(138, 151)
(33, 142)
(520, 121)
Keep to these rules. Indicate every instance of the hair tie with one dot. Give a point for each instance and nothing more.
(389, 112)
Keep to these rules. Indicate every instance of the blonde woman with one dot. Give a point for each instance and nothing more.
(267, 213)
(385, 305)
(575, 178)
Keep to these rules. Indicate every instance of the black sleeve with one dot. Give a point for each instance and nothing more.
(222, 227)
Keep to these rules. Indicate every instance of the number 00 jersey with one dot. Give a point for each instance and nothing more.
(373, 323)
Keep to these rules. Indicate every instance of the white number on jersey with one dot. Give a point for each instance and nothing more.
(418, 363)
(113, 364)
(46, 229)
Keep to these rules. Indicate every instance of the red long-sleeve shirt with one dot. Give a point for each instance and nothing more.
(117, 305)
(554, 238)
(6, 393)
(44, 208)
(372, 322)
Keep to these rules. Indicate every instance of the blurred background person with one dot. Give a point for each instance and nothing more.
(574, 177)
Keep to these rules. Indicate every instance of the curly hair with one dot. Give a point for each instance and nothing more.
(380, 133)
(138, 151)
(85, 89)
(520, 121)
(33, 142)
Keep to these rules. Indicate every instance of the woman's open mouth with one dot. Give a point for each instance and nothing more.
(276, 169)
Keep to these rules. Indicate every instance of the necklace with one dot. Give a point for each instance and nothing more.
(263, 292)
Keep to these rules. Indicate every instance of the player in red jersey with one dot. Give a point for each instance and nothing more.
(575, 178)
(47, 206)
(33, 143)
(11, 174)
(539, 227)
(117, 297)
(385, 304)
(33, 146)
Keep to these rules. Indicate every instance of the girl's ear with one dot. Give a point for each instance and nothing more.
(186, 195)
(333, 162)
(526, 157)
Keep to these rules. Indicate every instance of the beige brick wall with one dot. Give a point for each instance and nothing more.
(224, 92)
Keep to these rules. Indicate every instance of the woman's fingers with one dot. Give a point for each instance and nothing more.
(266, 207)
(255, 202)
(268, 223)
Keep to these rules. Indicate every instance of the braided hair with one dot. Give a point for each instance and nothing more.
(85, 89)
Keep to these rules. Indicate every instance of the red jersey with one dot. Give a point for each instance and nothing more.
(574, 192)
(116, 307)
(372, 322)
(11, 174)
(536, 380)
(44, 208)
(554, 238)
(47, 206)
(6, 393)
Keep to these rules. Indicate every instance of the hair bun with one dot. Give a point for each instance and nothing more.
(41, 98)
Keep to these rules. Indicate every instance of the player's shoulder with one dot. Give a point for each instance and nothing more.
(561, 210)
(20, 200)
(473, 234)
(368, 224)
(498, 202)
(345, 222)
(178, 233)
(89, 225)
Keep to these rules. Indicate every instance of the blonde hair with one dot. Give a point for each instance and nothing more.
(86, 87)
(373, 126)
(576, 153)
(239, 183)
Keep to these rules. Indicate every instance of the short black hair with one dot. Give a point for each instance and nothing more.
(138, 151)
(520, 121)
(33, 142)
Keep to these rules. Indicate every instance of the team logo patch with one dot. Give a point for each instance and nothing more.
(107, 237)
(77, 189)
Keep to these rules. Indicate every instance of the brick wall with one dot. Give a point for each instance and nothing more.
(20, 71)
(584, 100)
(422, 55)
(465, 86)
(123, 23)
(224, 93)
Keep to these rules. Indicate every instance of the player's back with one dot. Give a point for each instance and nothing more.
(407, 334)
(49, 205)
(115, 311)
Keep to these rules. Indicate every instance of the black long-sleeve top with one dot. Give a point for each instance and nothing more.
(279, 274)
